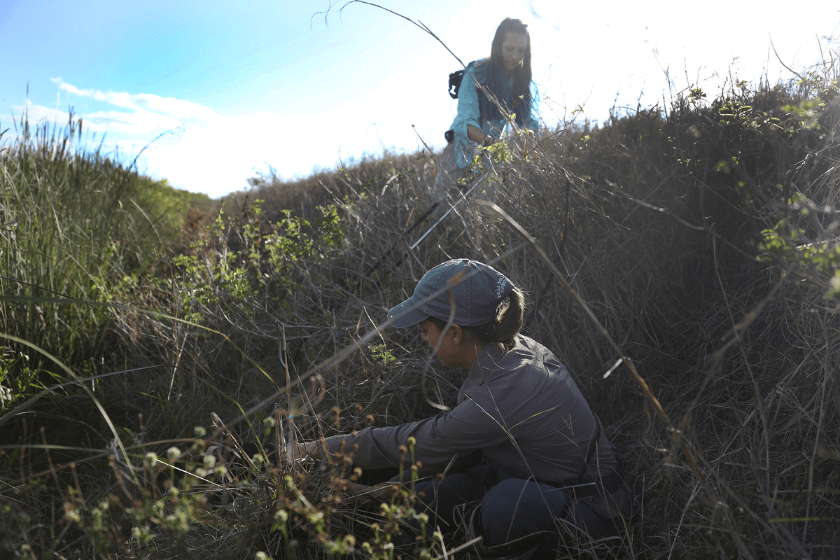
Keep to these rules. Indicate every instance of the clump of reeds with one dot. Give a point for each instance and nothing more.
(73, 224)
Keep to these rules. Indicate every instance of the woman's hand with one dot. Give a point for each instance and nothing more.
(477, 135)
(300, 451)
(355, 492)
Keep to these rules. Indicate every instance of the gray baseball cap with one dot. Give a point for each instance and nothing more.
(477, 290)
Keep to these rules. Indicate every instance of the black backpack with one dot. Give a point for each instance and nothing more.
(455, 83)
(455, 79)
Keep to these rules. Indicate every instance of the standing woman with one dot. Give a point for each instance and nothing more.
(507, 76)
(523, 440)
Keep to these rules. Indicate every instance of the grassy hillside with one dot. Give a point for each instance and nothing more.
(701, 237)
(72, 225)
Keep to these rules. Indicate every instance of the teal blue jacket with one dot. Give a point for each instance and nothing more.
(469, 112)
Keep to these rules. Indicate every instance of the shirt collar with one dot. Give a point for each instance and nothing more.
(485, 367)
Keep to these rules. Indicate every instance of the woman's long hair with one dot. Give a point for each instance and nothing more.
(519, 99)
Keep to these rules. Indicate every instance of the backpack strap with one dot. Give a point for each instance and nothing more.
(479, 70)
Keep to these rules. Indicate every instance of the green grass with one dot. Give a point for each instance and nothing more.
(73, 225)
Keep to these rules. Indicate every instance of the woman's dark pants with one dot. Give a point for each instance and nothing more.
(511, 508)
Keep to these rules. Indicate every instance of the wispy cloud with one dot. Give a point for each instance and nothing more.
(142, 102)
(39, 113)
(199, 150)
(136, 123)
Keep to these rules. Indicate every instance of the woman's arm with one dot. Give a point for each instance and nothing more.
(466, 428)
(469, 113)
(478, 136)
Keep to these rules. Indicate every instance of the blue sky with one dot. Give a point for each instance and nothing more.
(232, 89)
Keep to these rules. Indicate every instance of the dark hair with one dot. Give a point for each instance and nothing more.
(521, 91)
(504, 328)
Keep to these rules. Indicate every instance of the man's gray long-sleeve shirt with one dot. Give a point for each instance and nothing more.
(520, 408)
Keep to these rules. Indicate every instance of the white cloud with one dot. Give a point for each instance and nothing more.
(214, 155)
(171, 106)
(174, 107)
(202, 151)
(197, 149)
(38, 114)
(222, 155)
(207, 152)
(138, 123)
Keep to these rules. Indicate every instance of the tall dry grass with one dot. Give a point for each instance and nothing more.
(671, 241)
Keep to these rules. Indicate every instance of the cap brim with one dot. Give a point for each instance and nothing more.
(406, 314)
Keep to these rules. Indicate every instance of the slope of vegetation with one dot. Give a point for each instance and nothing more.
(702, 236)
